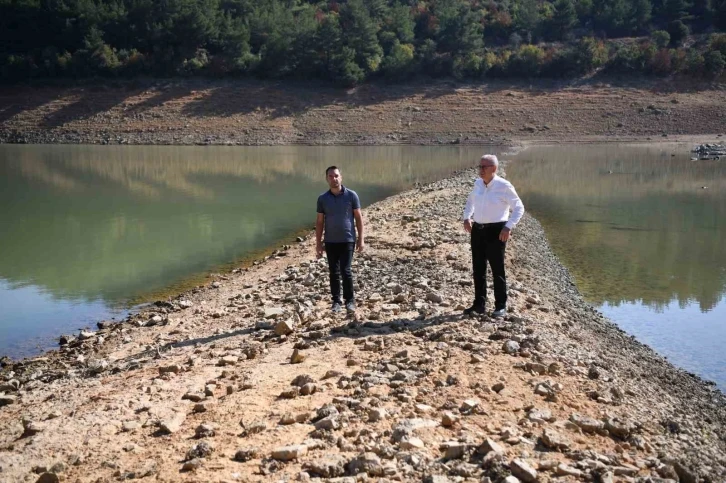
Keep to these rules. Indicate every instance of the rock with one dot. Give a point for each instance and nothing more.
(288, 453)
(329, 423)
(368, 463)
(228, 361)
(291, 393)
(200, 450)
(489, 446)
(174, 369)
(406, 427)
(523, 471)
(173, 424)
(297, 357)
(192, 465)
(273, 312)
(85, 335)
(48, 478)
(685, 475)
(193, 396)
(377, 414)
(553, 440)
(477, 358)
(127, 426)
(412, 443)
(31, 428)
(587, 424)
(245, 454)
(7, 399)
(453, 449)
(511, 479)
(308, 389)
(329, 466)
(204, 430)
(434, 297)
(564, 470)
(618, 428)
(511, 347)
(285, 327)
(449, 419)
(469, 405)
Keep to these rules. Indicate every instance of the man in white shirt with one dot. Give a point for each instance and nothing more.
(486, 217)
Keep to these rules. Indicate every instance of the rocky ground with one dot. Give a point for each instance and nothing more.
(247, 112)
(251, 378)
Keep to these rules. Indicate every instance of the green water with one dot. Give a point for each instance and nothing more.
(642, 230)
(85, 230)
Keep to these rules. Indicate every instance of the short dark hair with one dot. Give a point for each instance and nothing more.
(330, 168)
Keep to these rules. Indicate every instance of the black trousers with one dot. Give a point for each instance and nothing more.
(487, 247)
(340, 258)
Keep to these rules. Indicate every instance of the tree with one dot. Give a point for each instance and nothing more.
(360, 35)
(398, 64)
(564, 18)
(678, 32)
(640, 15)
(660, 38)
(714, 62)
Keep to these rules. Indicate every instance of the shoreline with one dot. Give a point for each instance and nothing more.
(256, 113)
(239, 330)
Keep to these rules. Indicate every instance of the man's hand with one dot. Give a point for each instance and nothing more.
(319, 249)
(504, 234)
(467, 226)
(360, 245)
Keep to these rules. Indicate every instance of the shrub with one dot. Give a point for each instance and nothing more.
(660, 38)
(714, 63)
(678, 32)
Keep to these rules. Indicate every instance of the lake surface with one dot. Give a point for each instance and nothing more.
(642, 229)
(85, 231)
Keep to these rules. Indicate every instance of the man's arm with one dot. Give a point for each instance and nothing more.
(319, 225)
(468, 212)
(360, 243)
(515, 203)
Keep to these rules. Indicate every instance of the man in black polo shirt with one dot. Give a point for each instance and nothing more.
(337, 208)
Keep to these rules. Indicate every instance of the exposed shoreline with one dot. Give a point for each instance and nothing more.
(101, 406)
(256, 113)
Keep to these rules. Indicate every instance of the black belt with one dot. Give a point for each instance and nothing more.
(487, 225)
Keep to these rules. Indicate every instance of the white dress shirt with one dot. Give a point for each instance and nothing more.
(491, 203)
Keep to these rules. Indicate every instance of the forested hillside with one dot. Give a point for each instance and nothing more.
(350, 41)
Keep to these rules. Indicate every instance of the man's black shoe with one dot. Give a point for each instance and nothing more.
(475, 309)
(336, 307)
(499, 312)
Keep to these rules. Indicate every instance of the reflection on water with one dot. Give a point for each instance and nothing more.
(85, 228)
(641, 228)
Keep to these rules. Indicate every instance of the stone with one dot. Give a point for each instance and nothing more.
(173, 424)
(194, 396)
(286, 327)
(511, 347)
(308, 389)
(368, 463)
(449, 419)
(564, 470)
(511, 479)
(587, 424)
(192, 465)
(329, 466)
(523, 471)
(273, 312)
(200, 450)
(48, 478)
(434, 297)
(288, 453)
(31, 428)
(406, 427)
(245, 454)
(297, 357)
(453, 450)
(553, 440)
(412, 443)
(618, 427)
(228, 361)
(85, 335)
(127, 426)
(173, 369)
(204, 430)
(477, 358)
(469, 405)
(377, 414)
(329, 423)
(489, 446)
(7, 399)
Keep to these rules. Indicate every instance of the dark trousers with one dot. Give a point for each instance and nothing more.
(486, 247)
(340, 258)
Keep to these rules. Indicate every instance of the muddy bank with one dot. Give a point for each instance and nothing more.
(250, 377)
(272, 113)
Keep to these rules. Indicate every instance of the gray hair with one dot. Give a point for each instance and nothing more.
(492, 158)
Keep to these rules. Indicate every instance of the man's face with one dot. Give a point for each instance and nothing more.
(335, 179)
(486, 168)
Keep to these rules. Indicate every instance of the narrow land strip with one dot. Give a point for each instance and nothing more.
(250, 378)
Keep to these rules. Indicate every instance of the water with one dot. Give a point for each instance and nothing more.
(85, 231)
(642, 230)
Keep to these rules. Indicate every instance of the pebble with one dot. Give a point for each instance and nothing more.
(288, 453)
